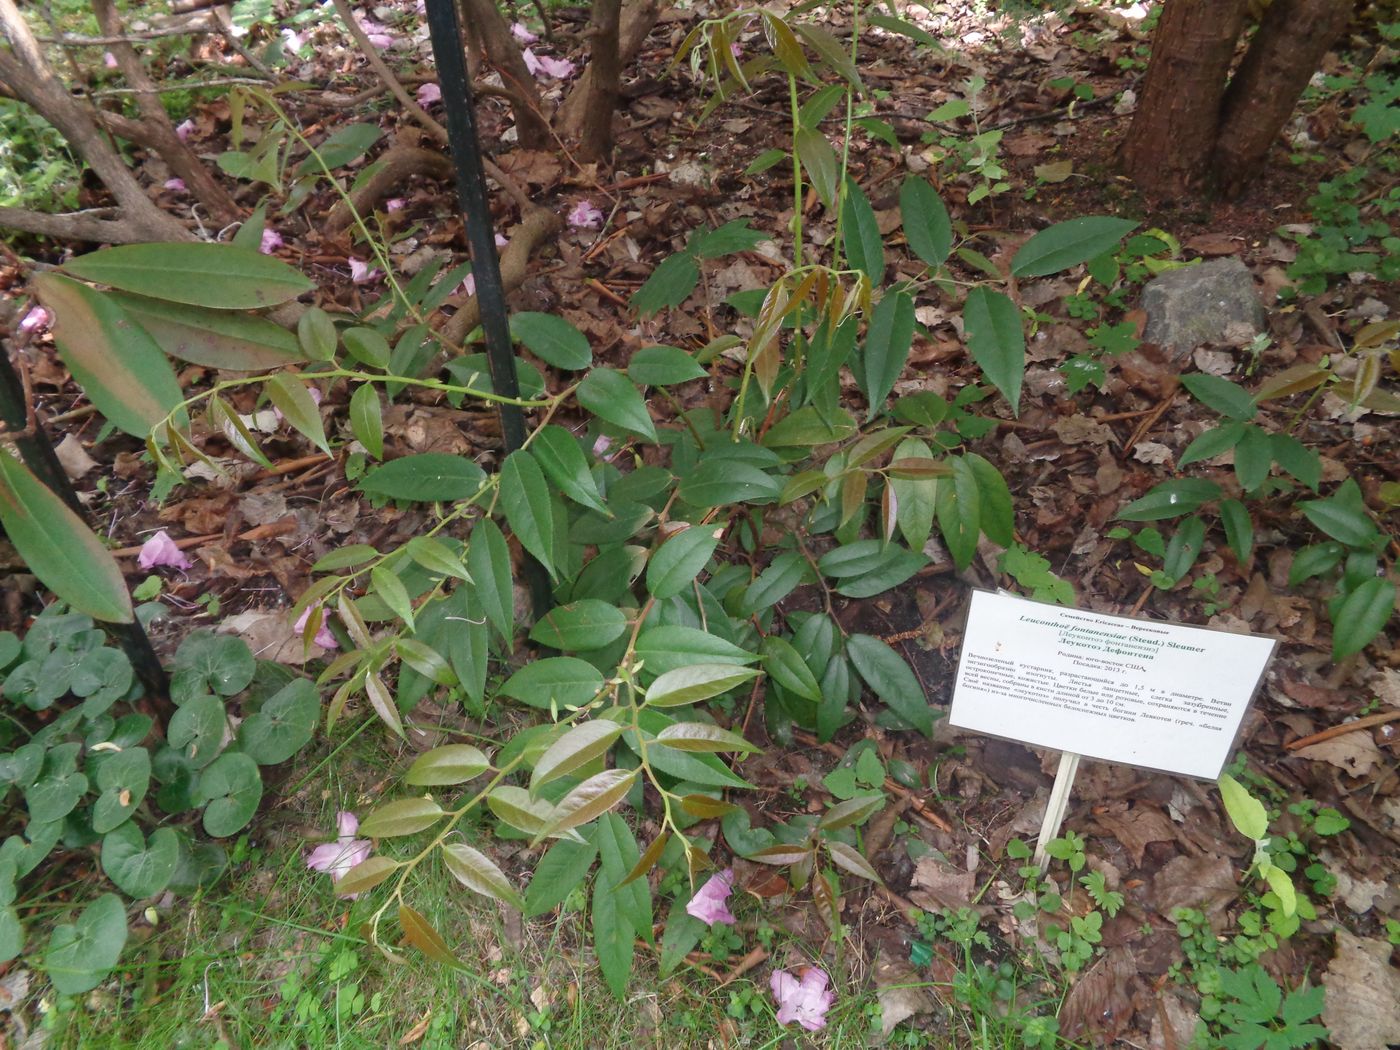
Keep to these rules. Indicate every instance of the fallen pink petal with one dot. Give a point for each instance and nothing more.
(428, 94)
(522, 32)
(558, 68)
(109, 60)
(393, 204)
(184, 129)
(469, 285)
(338, 857)
(805, 1001)
(291, 40)
(324, 638)
(532, 61)
(709, 903)
(585, 216)
(160, 551)
(377, 33)
(175, 184)
(363, 273)
(501, 242)
(271, 241)
(37, 317)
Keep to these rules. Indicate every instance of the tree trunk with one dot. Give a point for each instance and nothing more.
(637, 20)
(605, 70)
(487, 25)
(1288, 48)
(29, 76)
(1168, 147)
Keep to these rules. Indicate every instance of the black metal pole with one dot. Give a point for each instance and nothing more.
(38, 455)
(471, 189)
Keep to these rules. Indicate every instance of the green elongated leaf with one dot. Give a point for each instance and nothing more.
(903, 28)
(405, 816)
(785, 665)
(138, 868)
(1246, 812)
(1363, 615)
(576, 748)
(702, 736)
(807, 427)
(283, 725)
(618, 858)
(560, 871)
(996, 341)
(525, 502)
(696, 682)
(385, 583)
(1184, 547)
(833, 52)
(733, 236)
(290, 396)
(819, 161)
(366, 875)
(1348, 524)
(1221, 395)
(887, 344)
(614, 938)
(663, 366)
(437, 557)
(1212, 443)
(674, 646)
(851, 812)
(1253, 458)
(563, 462)
(1171, 499)
(894, 568)
(555, 682)
(580, 626)
(118, 365)
(449, 764)
(781, 854)
(775, 583)
(488, 561)
(346, 558)
(222, 416)
(423, 935)
(217, 276)
(479, 873)
(678, 561)
(367, 346)
(513, 806)
(915, 498)
(785, 46)
(890, 678)
(1069, 243)
(865, 247)
(927, 227)
(230, 789)
(1239, 528)
(214, 338)
(670, 284)
(1297, 459)
(80, 955)
(849, 858)
(316, 334)
(552, 339)
(959, 509)
(717, 482)
(594, 797)
(996, 517)
(58, 547)
(341, 147)
(612, 397)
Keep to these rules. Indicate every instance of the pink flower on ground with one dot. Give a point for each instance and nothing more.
(558, 68)
(160, 550)
(805, 1001)
(377, 32)
(271, 241)
(363, 273)
(428, 94)
(37, 317)
(291, 40)
(109, 60)
(708, 905)
(324, 638)
(393, 204)
(184, 129)
(338, 857)
(501, 242)
(521, 32)
(584, 216)
(601, 444)
(469, 285)
(175, 184)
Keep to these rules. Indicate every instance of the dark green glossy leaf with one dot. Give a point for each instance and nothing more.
(552, 339)
(1069, 243)
(612, 397)
(890, 678)
(425, 477)
(996, 341)
(218, 276)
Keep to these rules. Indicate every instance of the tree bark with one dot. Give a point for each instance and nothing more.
(1288, 48)
(1168, 148)
(24, 69)
(487, 25)
(199, 180)
(638, 19)
(595, 137)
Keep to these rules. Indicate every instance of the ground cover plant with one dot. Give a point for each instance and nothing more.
(647, 708)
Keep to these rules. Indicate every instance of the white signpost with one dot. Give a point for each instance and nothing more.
(1158, 695)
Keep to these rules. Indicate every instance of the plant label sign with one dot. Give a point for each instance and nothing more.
(1141, 692)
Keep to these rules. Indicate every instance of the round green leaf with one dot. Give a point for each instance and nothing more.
(140, 869)
(230, 790)
(552, 339)
(80, 955)
(216, 663)
(196, 730)
(123, 779)
(283, 725)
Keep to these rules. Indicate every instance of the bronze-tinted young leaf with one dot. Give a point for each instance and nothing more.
(366, 875)
(449, 764)
(702, 736)
(420, 933)
(852, 811)
(479, 873)
(215, 338)
(705, 807)
(576, 748)
(594, 797)
(426, 660)
(383, 702)
(218, 276)
(405, 816)
(695, 682)
(58, 547)
(118, 365)
(781, 853)
(514, 806)
(648, 860)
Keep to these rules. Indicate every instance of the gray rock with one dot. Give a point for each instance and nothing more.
(1214, 302)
